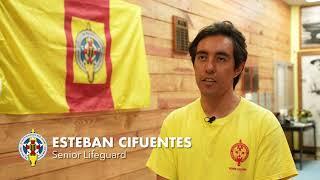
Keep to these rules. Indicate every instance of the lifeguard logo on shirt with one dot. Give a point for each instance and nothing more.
(32, 147)
(239, 152)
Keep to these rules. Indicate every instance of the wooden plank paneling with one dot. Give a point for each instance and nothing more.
(265, 25)
(163, 29)
(99, 169)
(10, 163)
(104, 125)
(143, 174)
(164, 65)
(170, 83)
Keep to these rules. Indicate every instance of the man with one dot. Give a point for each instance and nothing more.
(316, 63)
(232, 138)
(313, 77)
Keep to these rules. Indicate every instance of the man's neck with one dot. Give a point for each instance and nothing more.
(219, 106)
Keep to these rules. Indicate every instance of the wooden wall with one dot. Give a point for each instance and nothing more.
(265, 24)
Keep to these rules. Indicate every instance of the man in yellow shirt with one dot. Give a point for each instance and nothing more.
(232, 138)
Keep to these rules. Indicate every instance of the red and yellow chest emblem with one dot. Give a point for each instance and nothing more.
(239, 152)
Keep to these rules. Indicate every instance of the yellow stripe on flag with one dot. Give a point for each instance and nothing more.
(129, 78)
(33, 57)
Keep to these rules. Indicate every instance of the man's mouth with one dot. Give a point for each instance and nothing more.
(209, 80)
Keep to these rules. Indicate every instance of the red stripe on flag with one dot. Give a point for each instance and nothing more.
(87, 97)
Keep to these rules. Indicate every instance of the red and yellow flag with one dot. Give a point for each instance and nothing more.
(71, 56)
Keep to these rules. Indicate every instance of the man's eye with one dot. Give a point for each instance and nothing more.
(221, 58)
(201, 57)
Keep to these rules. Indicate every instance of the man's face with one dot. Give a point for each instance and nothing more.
(317, 65)
(214, 65)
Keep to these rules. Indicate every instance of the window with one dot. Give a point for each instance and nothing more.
(283, 87)
(250, 83)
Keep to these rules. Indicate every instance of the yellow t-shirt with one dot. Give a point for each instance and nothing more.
(249, 143)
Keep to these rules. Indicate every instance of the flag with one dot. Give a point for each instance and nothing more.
(71, 56)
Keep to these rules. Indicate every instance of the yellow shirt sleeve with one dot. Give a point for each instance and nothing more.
(274, 159)
(161, 160)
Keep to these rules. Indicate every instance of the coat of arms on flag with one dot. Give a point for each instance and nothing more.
(89, 52)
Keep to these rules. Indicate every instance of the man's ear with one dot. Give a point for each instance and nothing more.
(239, 69)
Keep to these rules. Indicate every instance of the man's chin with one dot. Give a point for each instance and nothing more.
(207, 93)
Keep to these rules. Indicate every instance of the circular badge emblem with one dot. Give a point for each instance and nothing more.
(239, 152)
(33, 147)
(89, 50)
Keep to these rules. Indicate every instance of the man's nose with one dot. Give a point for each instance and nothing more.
(210, 66)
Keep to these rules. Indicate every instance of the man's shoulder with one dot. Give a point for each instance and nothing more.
(254, 109)
(188, 108)
(259, 115)
(177, 115)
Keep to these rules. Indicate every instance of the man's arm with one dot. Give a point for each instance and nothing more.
(161, 178)
(274, 152)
